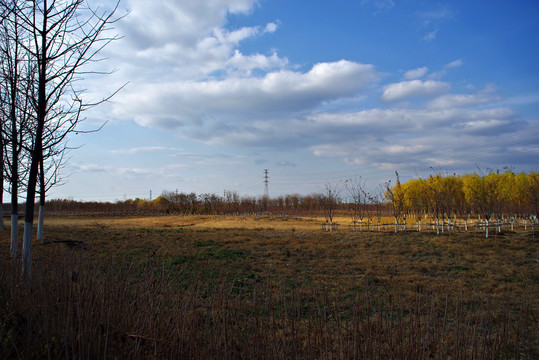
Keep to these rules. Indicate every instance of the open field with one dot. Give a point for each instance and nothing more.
(505, 264)
(267, 286)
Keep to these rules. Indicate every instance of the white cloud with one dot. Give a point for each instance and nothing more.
(461, 100)
(408, 138)
(400, 121)
(413, 88)
(245, 64)
(106, 169)
(454, 64)
(175, 104)
(144, 149)
(184, 40)
(193, 77)
(431, 35)
(416, 73)
(270, 27)
(155, 23)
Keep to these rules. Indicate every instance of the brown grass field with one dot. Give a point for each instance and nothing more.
(268, 287)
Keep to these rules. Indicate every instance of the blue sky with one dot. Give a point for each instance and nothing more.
(314, 91)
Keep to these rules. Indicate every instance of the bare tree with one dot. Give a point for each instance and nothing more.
(17, 74)
(63, 37)
(2, 166)
(329, 201)
(358, 199)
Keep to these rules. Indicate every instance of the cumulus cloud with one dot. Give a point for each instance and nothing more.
(245, 64)
(191, 76)
(413, 88)
(186, 40)
(416, 73)
(175, 104)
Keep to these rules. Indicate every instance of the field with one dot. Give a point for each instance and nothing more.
(268, 287)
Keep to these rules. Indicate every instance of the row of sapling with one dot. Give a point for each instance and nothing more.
(363, 203)
(329, 202)
(45, 49)
(491, 196)
(358, 200)
(486, 192)
(395, 195)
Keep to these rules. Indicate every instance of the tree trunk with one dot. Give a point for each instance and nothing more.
(2, 182)
(30, 206)
(40, 231)
(2, 227)
(40, 224)
(14, 188)
(37, 154)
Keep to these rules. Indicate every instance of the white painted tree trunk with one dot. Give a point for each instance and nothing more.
(486, 228)
(40, 224)
(14, 235)
(396, 226)
(27, 251)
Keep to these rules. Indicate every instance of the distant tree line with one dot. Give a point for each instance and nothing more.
(486, 196)
(180, 203)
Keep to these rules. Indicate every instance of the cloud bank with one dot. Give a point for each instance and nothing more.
(188, 74)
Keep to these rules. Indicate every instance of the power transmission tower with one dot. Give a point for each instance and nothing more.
(266, 182)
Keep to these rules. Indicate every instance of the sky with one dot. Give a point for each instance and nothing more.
(317, 92)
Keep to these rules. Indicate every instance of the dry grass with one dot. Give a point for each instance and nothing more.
(269, 288)
(275, 249)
